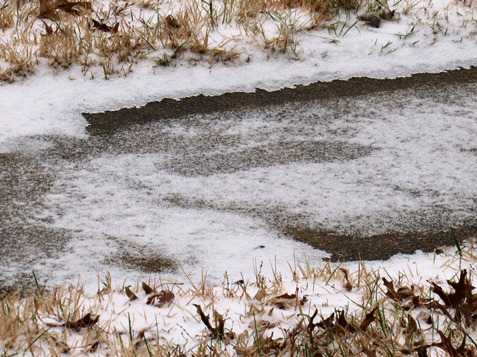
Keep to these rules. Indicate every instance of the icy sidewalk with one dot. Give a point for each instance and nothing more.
(217, 192)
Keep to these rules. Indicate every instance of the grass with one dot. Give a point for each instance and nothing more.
(325, 310)
(116, 35)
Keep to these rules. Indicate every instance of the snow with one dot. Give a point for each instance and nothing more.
(417, 167)
(52, 101)
(184, 202)
(250, 307)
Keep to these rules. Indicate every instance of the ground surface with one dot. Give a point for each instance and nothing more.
(359, 169)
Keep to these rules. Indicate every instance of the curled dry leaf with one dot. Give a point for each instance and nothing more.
(368, 319)
(343, 323)
(411, 327)
(286, 300)
(48, 29)
(93, 347)
(286, 296)
(446, 345)
(105, 28)
(217, 331)
(401, 294)
(339, 325)
(147, 289)
(130, 294)
(163, 297)
(347, 284)
(85, 321)
(462, 290)
(171, 21)
(326, 323)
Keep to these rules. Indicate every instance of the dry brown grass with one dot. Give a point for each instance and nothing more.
(110, 37)
(115, 35)
(7, 15)
(385, 315)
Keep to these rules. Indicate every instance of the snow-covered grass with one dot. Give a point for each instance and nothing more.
(419, 306)
(105, 38)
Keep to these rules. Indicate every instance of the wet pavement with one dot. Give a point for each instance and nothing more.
(428, 83)
(287, 163)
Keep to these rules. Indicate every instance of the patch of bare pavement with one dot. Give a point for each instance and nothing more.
(341, 247)
(202, 149)
(107, 122)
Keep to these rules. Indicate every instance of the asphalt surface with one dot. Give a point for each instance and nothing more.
(27, 176)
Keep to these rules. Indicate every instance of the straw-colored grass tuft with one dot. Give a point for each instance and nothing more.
(327, 310)
(101, 38)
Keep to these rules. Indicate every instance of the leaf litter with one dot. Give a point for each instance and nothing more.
(400, 311)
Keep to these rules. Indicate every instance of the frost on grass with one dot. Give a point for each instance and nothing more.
(355, 309)
(109, 37)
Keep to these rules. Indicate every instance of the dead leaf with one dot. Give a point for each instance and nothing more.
(422, 351)
(462, 289)
(440, 250)
(147, 289)
(446, 345)
(287, 300)
(93, 347)
(283, 302)
(163, 297)
(105, 28)
(327, 323)
(405, 292)
(387, 14)
(286, 296)
(416, 302)
(85, 321)
(48, 28)
(341, 321)
(464, 351)
(347, 284)
(311, 326)
(370, 20)
(391, 293)
(130, 294)
(369, 352)
(401, 294)
(368, 319)
(172, 22)
(217, 331)
(411, 325)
